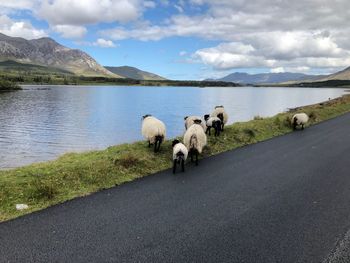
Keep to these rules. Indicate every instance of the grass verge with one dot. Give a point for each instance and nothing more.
(77, 174)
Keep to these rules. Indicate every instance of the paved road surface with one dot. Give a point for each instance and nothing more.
(283, 200)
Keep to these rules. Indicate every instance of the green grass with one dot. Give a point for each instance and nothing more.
(79, 174)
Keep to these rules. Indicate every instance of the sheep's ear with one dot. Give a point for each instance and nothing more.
(186, 118)
(145, 116)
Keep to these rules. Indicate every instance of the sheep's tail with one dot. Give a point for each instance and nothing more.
(180, 156)
(194, 142)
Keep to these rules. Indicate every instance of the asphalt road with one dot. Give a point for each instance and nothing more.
(282, 200)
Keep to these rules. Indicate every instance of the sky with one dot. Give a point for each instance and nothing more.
(194, 39)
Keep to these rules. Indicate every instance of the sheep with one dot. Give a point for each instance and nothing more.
(195, 139)
(221, 114)
(189, 120)
(153, 130)
(180, 154)
(213, 122)
(300, 119)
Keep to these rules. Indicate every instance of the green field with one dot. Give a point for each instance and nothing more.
(77, 174)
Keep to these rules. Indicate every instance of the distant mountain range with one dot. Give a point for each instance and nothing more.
(46, 55)
(134, 73)
(266, 78)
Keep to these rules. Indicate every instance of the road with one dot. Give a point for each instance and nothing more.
(283, 200)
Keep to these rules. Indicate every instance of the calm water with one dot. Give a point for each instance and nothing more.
(38, 125)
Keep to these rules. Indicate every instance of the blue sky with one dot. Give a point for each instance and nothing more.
(194, 39)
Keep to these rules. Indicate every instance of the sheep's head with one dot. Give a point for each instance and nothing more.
(176, 141)
(219, 106)
(186, 118)
(145, 116)
(197, 121)
(206, 117)
(221, 116)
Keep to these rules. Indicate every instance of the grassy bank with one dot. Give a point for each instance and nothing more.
(8, 85)
(72, 175)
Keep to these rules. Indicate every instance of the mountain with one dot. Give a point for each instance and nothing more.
(265, 78)
(13, 66)
(341, 75)
(47, 52)
(134, 73)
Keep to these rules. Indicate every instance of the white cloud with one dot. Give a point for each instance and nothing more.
(68, 31)
(104, 43)
(17, 4)
(77, 12)
(19, 28)
(277, 70)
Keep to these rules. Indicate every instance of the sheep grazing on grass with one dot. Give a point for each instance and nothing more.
(195, 139)
(299, 119)
(180, 154)
(189, 120)
(213, 122)
(221, 114)
(153, 130)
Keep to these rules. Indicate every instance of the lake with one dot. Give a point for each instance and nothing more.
(42, 122)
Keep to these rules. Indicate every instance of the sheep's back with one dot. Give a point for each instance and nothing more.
(152, 127)
(302, 118)
(190, 121)
(179, 147)
(200, 135)
(217, 111)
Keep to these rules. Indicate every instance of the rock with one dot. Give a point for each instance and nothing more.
(20, 207)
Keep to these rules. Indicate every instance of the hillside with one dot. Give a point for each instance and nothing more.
(341, 75)
(264, 78)
(48, 53)
(134, 73)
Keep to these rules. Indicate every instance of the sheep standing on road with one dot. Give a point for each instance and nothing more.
(212, 122)
(221, 114)
(195, 139)
(189, 120)
(299, 119)
(180, 154)
(153, 130)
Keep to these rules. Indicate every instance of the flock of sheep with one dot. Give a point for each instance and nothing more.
(195, 137)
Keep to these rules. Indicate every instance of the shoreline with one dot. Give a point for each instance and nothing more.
(73, 175)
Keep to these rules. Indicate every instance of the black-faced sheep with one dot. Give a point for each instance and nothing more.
(221, 114)
(299, 119)
(189, 120)
(180, 154)
(213, 122)
(195, 139)
(153, 130)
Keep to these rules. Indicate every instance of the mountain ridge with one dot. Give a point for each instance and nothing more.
(47, 52)
(134, 73)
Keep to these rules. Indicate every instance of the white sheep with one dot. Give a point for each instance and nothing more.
(300, 119)
(153, 130)
(212, 122)
(189, 120)
(195, 139)
(180, 154)
(221, 114)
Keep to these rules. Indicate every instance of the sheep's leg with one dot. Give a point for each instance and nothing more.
(196, 158)
(183, 165)
(155, 146)
(222, 127)
(191, 153)
(209, 128)
(149, 144)
(302, 126)
(174, 166)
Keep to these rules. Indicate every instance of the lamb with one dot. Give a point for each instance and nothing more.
(213, 122)
(195, 139)
(153, 130)
(300, 119)
(189, 120)
(180, 154)
(221, 114)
